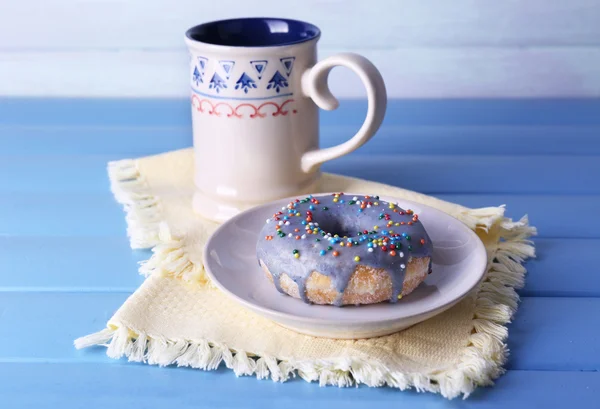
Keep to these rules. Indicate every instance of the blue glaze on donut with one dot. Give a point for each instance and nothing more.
(298, 253)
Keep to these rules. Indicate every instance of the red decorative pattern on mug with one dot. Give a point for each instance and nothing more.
(240, 111)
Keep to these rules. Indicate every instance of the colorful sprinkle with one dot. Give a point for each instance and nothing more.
(357, 259)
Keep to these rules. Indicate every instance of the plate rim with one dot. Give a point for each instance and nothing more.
(288, 316)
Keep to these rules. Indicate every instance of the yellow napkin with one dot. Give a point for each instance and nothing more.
(177, 317)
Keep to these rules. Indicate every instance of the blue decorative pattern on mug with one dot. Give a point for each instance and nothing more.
(202, 62)
(288, 64)
(277, 82)
(217, 83)
(231, 77)
(245, 82)
(259, 66)
(197, 77)
(227, 66)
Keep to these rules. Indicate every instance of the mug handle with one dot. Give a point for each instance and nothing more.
(314, 85)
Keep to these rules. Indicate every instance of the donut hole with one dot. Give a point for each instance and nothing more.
(335, 226)
(340, 226)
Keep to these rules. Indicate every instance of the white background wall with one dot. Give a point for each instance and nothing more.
(431, 49)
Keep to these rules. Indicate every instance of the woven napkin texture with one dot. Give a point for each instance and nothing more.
(178, 318)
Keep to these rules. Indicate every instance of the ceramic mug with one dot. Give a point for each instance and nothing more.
(256, 90)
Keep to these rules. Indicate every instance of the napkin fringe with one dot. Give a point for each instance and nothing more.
(482, 218)
(481, 362)
(143, 211)
(170, 258)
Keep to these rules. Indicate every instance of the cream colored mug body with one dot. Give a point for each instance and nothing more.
(256, 90)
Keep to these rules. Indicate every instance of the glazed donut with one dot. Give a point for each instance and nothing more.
(341, 249)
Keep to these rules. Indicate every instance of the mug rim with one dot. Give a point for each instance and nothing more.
(191, 35)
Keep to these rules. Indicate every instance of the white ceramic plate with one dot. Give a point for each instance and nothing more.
(459, 261)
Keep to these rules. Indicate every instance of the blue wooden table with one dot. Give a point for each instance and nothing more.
(66, 266)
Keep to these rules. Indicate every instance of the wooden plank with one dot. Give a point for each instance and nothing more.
(425, 173)
(149, 112)
(547, 334)
(34, 263)
(59, 215)
(52, 174)
(41, 326)
(421, 72)
(476, 173)
(407, 23)
(63, 264)
(96, 214)
(125, 386)
(407, 140)
(563, 268)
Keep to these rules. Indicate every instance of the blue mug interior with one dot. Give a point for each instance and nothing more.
(254, 32)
